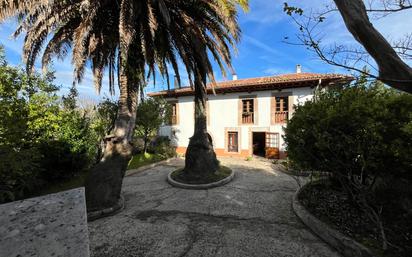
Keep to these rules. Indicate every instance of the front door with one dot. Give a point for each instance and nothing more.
(259, 143)
(272, 145)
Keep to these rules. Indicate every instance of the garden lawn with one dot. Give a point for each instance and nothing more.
(143, 159)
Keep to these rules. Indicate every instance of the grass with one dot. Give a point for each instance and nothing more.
(143, 159)
(183, 177)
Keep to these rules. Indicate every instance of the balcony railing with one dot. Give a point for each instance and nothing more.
(281, 117)
(247, 118)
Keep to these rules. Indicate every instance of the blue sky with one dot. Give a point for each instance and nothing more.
(261, 51)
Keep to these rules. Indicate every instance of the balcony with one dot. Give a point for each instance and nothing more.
(248, 118)
(281, 117)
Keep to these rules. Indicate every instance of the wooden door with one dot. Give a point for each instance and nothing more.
(272, 145)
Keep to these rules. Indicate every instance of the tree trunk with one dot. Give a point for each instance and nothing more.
(104, 183)
(200, 156)
(392, 70)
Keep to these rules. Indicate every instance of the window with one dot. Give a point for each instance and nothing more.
(232, 141)
(247, 111)
(272, 145)
(272, 140)
(173, 117)
(282, 109)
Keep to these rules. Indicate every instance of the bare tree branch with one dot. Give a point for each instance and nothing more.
(392, 69)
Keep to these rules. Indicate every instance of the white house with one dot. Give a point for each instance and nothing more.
(246, 116)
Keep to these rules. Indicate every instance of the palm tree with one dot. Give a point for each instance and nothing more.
(136, 38)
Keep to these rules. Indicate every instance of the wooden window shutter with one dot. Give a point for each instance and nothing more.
(239, 111)
(255, 110)
(291, 100)
(174, 119)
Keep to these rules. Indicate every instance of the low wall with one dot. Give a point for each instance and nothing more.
(50, 225)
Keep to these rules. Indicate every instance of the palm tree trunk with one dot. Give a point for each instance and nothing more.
(104, 183)
(200, 156)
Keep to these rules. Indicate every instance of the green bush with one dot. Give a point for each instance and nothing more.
(19, 172)
(362, 136)
(59, 162)
(42, 139)
(161, 145)
(357, 131)
(152, 113)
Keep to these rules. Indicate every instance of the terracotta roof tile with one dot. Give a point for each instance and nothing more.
(263, 83)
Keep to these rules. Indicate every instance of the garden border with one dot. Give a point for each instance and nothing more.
(222, 182)
(348, 247)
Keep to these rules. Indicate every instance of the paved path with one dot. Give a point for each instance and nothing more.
(251, 216)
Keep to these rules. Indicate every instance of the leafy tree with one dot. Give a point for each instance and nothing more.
(41, 140)
(69, 101)
(153, 113)
(28, 116)
(104, 121)
(106, 112)
(132, 37)
(18, 161)
(2, 56)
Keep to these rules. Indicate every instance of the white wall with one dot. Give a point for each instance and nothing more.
(184, 130)
(224, 114)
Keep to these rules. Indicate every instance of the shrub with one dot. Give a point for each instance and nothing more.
(152, 113)
(42, 139)
(161, 145)
(361, 135)
(19, 171)
(60, 162)
(358, 131)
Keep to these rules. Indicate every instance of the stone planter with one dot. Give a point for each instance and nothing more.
(222, 182)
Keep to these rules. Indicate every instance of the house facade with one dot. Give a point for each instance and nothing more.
(245, 117)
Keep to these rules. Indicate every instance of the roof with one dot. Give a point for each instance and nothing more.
(263, 83)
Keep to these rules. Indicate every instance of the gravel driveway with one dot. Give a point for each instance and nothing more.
(251, 216)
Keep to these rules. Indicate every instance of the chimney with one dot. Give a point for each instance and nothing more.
(298, 68)
(234, 77)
